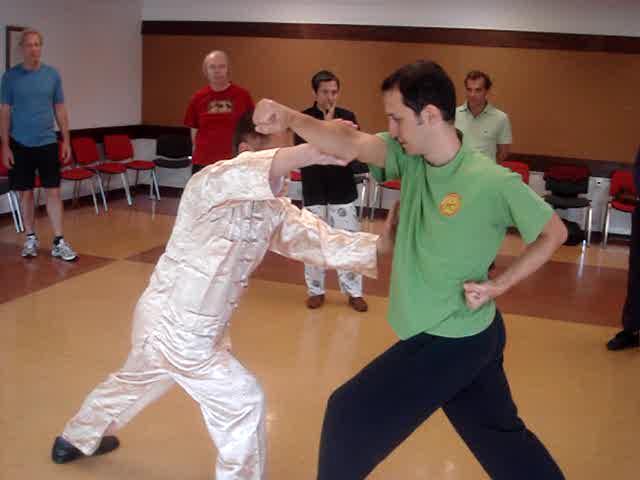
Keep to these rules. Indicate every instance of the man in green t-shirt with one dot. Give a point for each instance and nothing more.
(455, 208)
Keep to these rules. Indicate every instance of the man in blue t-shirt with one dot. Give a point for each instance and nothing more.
(31, 98)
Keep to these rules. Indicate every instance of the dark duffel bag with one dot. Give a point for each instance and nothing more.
(576, 234)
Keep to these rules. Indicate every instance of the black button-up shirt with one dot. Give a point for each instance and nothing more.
(329, 184)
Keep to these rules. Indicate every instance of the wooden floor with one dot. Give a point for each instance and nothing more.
(65, 326)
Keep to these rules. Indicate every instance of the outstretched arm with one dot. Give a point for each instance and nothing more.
(303, 236)
(256, 175)
(300, 156)
(334, 138)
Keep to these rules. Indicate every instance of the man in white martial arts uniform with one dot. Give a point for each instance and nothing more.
(228, 218)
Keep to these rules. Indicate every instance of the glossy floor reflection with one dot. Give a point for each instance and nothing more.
(62, 336)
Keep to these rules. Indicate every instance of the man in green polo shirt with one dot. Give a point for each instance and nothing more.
(485, 128)
(456, 205)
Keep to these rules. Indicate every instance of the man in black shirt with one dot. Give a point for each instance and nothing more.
(330, 193)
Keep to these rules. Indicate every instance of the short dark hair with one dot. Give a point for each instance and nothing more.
(476, 74)
(424, 83)
(323, 76)
(245, 129)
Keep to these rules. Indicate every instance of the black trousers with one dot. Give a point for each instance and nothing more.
(631, 310)
(371, 414)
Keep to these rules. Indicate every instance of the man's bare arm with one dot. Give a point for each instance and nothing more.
(5, 121)
(333, 138)
(537, 254)
(63, 123)
(503, 152)
(300, 156)
(194, 132)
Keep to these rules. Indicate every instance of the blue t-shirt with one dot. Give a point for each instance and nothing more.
(32, 95)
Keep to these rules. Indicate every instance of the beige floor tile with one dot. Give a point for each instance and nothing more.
(118, 233)
(59, 342)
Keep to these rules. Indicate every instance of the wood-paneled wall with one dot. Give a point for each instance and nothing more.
(581, 104)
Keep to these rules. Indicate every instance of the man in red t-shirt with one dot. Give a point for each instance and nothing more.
(213, 112)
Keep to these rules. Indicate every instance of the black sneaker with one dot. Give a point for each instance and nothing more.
(624, 339)
(65, 452)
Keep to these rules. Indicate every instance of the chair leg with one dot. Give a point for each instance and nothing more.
(101, 189)
(376, 194)
(125, 184)
(76, 193)
(16, 203)
(588, 230)
(93, 195)
(13, 212)
(607, 218)
(154, 182)
(363, 195)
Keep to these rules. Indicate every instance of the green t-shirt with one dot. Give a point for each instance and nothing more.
(453, 220)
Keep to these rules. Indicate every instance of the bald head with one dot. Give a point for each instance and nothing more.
(215, 67)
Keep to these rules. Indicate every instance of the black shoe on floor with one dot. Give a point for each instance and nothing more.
(64, 452)
(624, 339)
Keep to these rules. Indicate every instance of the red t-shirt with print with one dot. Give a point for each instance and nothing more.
(215, 115)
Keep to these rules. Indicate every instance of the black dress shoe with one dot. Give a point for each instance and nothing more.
(65, 452)
(624, 339)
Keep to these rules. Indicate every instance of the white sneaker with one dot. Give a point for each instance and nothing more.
(64, 251)
(30, 248)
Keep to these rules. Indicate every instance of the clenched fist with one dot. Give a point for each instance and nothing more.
(270, 117)
(477, 294)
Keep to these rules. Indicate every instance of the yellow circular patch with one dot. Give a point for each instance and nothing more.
(450, 204)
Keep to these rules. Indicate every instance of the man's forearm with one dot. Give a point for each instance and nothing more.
(330, 137)
(292, 158)
(5, 120)
(503, 152)
(333, 137)
(194, 132)
(536, 255)
(323, 245)
(63, 122)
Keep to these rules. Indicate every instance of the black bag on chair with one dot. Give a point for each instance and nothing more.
(576, 234)
(566, 182)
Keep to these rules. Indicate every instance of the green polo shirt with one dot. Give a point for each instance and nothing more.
(453, 219)
(486, 131)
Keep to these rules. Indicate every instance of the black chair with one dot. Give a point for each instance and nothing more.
(174, 151)
(566, 182)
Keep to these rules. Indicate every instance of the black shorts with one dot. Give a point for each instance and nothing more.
(29, 161)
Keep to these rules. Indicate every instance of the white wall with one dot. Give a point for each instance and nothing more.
(97, 47)
(603, 17)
